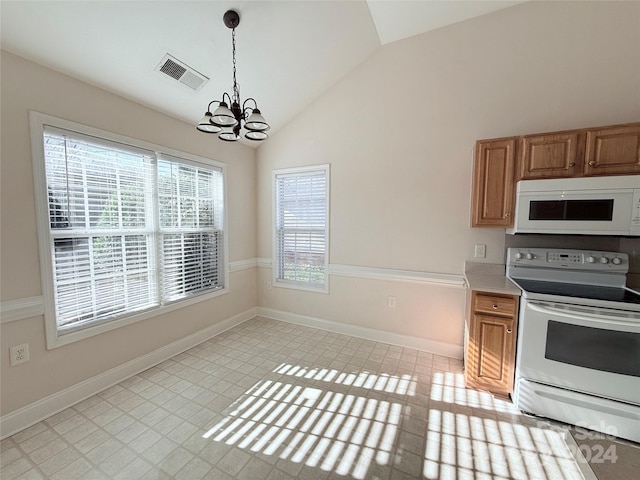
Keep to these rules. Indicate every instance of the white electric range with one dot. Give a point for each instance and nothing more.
(578, 353)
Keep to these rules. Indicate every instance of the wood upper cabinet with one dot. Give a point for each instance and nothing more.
(491, 345)
(500, 163)
(493, 183)
(545, 156)
(613, 151)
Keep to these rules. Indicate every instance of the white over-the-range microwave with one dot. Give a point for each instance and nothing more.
(581, 206)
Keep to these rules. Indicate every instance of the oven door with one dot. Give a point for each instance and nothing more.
(585, 349)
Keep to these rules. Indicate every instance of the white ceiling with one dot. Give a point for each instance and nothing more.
(288, 52)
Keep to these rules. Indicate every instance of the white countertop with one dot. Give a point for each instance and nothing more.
(489, 277)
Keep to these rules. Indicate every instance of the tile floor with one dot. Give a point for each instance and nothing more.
(271, 400)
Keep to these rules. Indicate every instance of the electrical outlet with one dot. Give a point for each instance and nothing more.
(269, 285)
(391, 302)
(481, 250)
(19, 354)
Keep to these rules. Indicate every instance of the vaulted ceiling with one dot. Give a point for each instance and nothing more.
(288, 52)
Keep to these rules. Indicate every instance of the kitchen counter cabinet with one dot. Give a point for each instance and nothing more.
(490, 344)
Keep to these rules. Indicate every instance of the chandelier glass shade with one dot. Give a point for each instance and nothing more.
(231, 115)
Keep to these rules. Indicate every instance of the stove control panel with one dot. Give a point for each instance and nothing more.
(559, 258)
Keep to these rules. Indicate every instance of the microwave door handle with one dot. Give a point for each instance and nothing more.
(600, 317)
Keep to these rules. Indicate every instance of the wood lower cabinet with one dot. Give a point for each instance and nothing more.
(491, 345)
(493, 183)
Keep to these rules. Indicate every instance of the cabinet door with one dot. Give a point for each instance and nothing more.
(493, 183)
(492, 347)
(613, 150)
(549, 156)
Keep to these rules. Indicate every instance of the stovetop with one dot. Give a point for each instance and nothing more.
(579, 277)
(592, 292)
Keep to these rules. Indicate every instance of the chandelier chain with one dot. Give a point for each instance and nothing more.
(236, 94)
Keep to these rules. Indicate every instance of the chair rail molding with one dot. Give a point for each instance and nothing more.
(13, 310)
(387, 274)
(29, 307)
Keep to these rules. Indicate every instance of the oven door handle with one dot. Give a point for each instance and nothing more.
(599, 315)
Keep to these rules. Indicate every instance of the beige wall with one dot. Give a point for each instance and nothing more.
(27, 86)
(400, 191)
(399, 131)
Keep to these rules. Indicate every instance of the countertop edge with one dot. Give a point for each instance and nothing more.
(489, 278)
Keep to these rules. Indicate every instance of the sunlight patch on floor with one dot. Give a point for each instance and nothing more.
(331, 430)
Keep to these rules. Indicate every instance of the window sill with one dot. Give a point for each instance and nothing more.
(306, 288)
(56, 339)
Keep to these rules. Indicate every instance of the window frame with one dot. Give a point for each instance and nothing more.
(54, 337)
(276, 281)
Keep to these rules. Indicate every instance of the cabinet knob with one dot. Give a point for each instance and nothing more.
(508, 330)
(507, 215)
(494, 306)
(592, 163)
(572, 164)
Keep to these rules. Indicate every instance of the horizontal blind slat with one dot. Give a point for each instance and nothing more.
(301, 226)
(102, 232)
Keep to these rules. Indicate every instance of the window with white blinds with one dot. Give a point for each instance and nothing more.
(301, 227)
(130, 229)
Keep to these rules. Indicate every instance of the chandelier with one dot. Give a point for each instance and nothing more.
(229, 118)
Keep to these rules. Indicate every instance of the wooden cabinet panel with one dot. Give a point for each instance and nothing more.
(613, 151)
(495, 305)
(545, 156)
(491, 344)
(493, 183)
(495, 352)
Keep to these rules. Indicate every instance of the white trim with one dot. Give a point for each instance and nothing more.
(406, 276)
(54, 337)
(387, 274)
(22, 308)
(325, 168)
(264, 262)
(24, 417)
(432, 346)
(61, 339)
(246, 264)
(29, 307)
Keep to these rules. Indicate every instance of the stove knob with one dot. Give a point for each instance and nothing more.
(518, 256)
(616, 260)
(591, 259)
(530, 256)
(604, 260)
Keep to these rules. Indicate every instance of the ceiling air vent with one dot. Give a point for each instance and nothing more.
(183, 73)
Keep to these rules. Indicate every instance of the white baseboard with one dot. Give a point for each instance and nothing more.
(24, 417)
(432, 346)
(29, 415)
